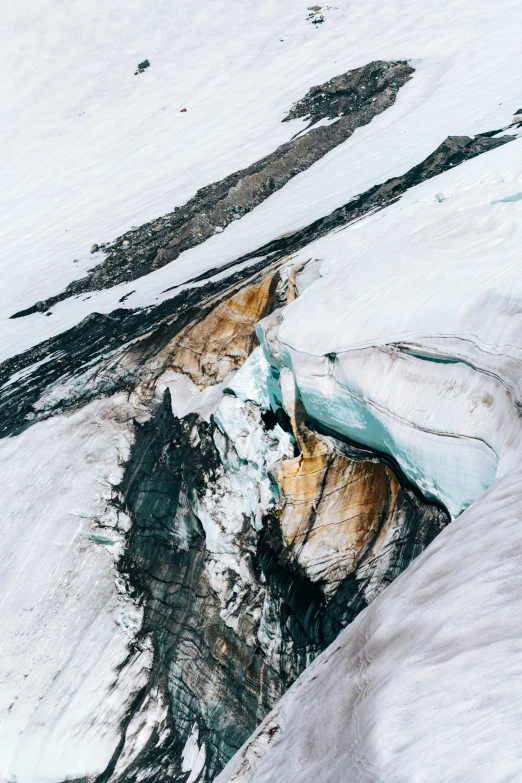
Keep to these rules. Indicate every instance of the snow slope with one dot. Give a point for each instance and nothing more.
(100, 149)
(67, 672)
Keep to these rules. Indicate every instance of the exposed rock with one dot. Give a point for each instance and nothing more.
(351, 92)
(142, 67)
(350, 100)
(107, 352)
(220, 343)
(338, 512)
(95, 248)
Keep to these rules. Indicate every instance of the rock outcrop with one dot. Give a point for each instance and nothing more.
(350, 101)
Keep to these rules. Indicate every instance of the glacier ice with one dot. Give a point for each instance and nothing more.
(406, 337)
(422, 364)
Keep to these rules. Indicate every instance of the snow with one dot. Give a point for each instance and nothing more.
(153, 713)
(101, 149)
(193, 757)
(64, 625)
(249, 455)
(187, 398)
(426, 684)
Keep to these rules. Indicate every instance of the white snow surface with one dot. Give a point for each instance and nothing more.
(193, 756)
(64, 625)
(88, 149)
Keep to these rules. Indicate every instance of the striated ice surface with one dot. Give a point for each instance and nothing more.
(415, 345)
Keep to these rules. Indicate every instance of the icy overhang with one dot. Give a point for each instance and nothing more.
(411, 341)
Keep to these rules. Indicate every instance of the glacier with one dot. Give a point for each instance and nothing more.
(422, 364)
(67, 674)
(261, 499)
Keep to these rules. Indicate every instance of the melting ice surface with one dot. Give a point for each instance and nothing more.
(507, 199)
(416, 336)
